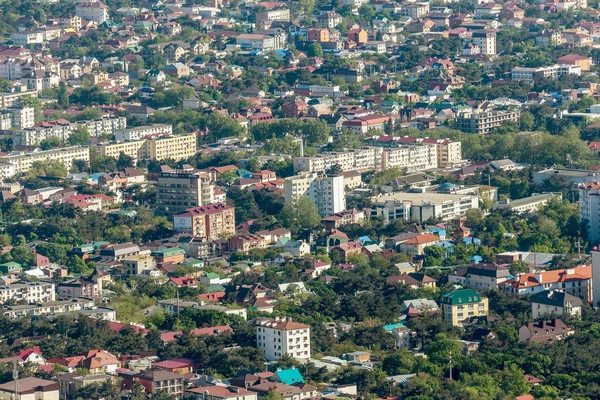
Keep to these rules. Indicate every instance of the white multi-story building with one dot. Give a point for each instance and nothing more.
(10, 99)
(22, 162)
(63, 129)
(486, 40)
(421, 207)
(552, 72)
(589, 209)
(140, 132)
(23, 117)
(31, 292)
(255, 41)
(410, 158)
(327, 192)
(280, 337)
(95, 11)
(415, 10)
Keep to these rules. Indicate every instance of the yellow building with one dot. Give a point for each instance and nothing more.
(132, 148)
(463, 304)
(170, 147)
(22, 162)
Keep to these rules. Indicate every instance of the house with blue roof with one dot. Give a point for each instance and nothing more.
(439, 232)
(288, 376)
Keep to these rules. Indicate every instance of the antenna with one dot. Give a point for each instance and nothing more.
(15, 375)
(450, 361)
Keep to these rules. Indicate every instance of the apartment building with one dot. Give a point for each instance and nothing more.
(59, 307)
(360, 125)
(279, 337)
(22, 162)
(155, 148)
(157, 381)
(170, 147)
(415, 10)
(551, 302)
(213, 221)
(8, 100)
(530, 75)
(527, 204)
(483, 121)
(22, 118)
(589, 209)
(410, 158)
(460, 305)
(486, 41)
(327, 192)
(420, 207)
(63, 129)
(178, 190)
(449, 152)
(141, 132)
(31, 292)
(95, 11)
(363, 159)
(480, 276)
(255, 41)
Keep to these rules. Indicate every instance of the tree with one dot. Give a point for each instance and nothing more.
(137, 392)
(124, 161)
(77, 266)
(273, 395)
(63, 95)
(79, 136)
(302, 215)
(50, 143)
(527, 121)
(513, 381)
(315, 50)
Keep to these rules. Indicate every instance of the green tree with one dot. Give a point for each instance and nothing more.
(302, 215)
(50, 143)
(315, 50)
(79, 136)
(63, 95)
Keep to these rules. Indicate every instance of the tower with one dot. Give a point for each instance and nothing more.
(595, 275)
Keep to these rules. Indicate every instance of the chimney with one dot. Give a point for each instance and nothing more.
(538, 277)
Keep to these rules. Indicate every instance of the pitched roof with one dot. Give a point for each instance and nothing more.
(556, 299)
(422, 239)
(462, 296)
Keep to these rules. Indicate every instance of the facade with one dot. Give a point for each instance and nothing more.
(327, 192)
(530, 75)
(141, 132)
(52, 307)
(22, 162)
(178, 190)
(154, 148)
(483, 121)
(460, 305)
(137, 264)
(30, 389)
(544, 331)
(213, 221)
(480, 276)
(162, 381)
(486, 41)
(589, 209)
(63, 129)
(550, 302)
(528, 204)
(281, 336)
(420, 207)
(255, 41)
(92, 11)
(32, 292)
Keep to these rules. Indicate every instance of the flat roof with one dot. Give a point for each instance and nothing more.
(568, 172)
(421, 198)
(527, 200)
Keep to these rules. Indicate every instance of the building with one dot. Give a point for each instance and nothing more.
(57, 308)
(30, 388)
(584, 63)
(480, 276)
(95, 11)
(245, 243)
(530, 75)
(281, 336)
(485, 40)
(32, 292)
(220, 393)
(327, 192)
(460, 305)
(544, 331)
(213, 221)
(178, 190)
(22, 118)
(482, 121)
(575, 281)
(527, 204)
(137, 264)
(420, 207)
(90, 287)
(162, 381)
(153, 148)
(63, 129)
(141, 132)
(345, 217)
(589, 209)
(555, 303)
(415, 10)
(256, 41)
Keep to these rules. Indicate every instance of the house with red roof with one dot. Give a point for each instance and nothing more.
(210, 331)
(96, 361)
(31, 355)
(184, 281)
(345, 250)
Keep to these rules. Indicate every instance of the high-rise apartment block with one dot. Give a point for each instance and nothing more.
(327, 192)
(211, 222)
(179, 190)
(279, 337)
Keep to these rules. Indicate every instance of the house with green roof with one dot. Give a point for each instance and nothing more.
(288, 376)
(173, 255)
(461, 305)
(10, 268)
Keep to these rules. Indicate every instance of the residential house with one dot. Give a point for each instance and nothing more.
(480, 276)
(555, 303)
(461, 305)
(545, 331)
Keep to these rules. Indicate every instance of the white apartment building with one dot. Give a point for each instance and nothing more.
(420, 207)
(35, 36)
(553, 72)
(415, 10)
(486, 40)
(40, 80)
(92, 11)
(282, 14)
(32, 292)
(368, 158)
(482, 121)
(528, 204)
(410, 158)
(140, 132)
(23, 117)
(589, 209)
(327, 192)
(10, 99)
(279, 337)
(63, 129)
(255, 41)
(22, 162)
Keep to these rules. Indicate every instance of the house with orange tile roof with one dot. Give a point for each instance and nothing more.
(574, 281)
(96, 361)
(417, 244)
